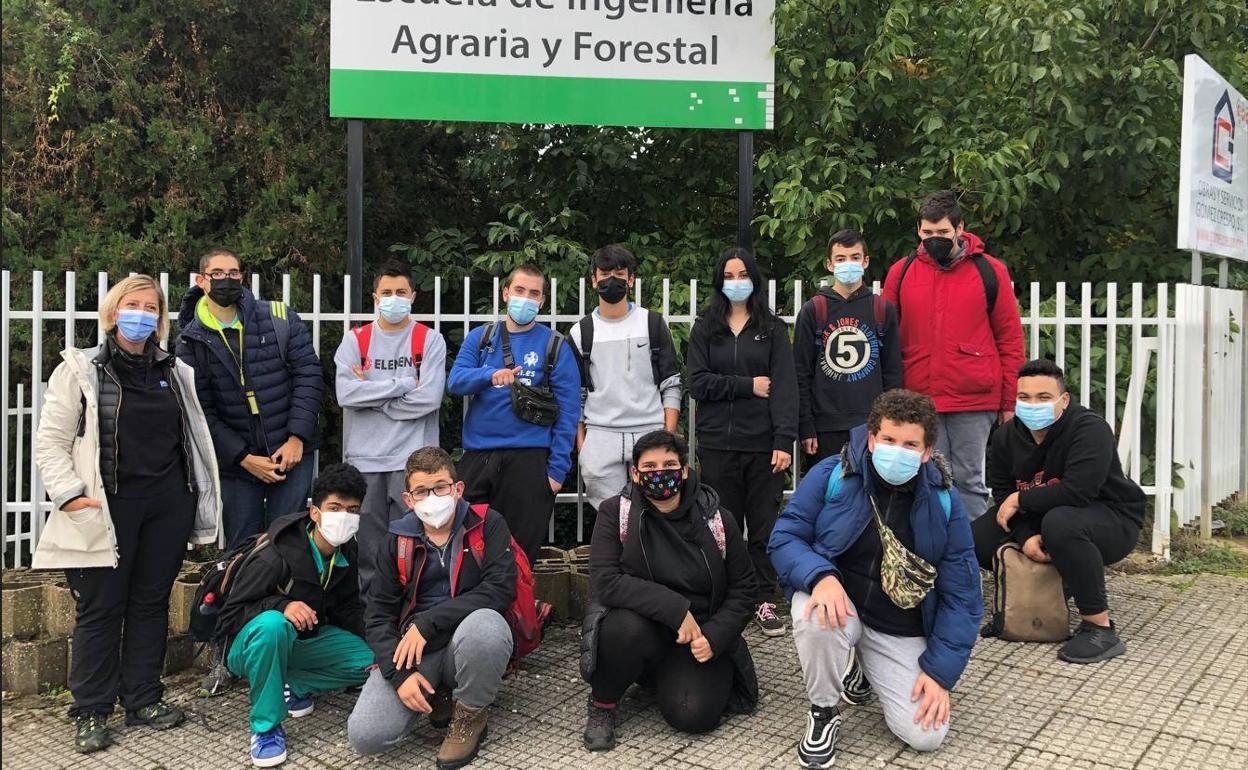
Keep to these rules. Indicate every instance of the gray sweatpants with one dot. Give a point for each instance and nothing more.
(605, 460)
(963, 439)
(891, 664)
(473, 664)
(382, 504)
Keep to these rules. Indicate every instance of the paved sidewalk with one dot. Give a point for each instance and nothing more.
(1178, 699)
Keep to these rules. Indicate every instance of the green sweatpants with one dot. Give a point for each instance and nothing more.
(269, 652)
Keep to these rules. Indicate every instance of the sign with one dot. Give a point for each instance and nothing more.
(1213, 173)
(678, 63)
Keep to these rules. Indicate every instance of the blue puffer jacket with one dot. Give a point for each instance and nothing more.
(810, 535)
(288, 392)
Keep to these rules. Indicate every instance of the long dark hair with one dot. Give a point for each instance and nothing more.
(718, 308)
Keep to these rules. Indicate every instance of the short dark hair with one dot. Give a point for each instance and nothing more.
(218, 252)
(341, 479)
(613, 257)
(661, 439)
(846, 239)
(395, 268)
(528, 268)
(430, 459)
(1043, 367)
(941, 204)
(904, 406)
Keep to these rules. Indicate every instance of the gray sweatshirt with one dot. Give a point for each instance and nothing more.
(390, 413)
(625, 396)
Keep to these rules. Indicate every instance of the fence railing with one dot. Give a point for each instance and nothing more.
(1116, 343)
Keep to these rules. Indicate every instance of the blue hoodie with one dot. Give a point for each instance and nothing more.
(810, 534)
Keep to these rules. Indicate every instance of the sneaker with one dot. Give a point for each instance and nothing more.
(768, 621)
(268, 749)
(855, 689)
(599, 728)
(298, 705)
(443, 708)
(91, 733)
(159, 715)
(464, 739)
(219, 679)
(817, 748)
(1092, 644)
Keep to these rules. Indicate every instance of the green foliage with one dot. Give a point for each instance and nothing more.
(1191, 554)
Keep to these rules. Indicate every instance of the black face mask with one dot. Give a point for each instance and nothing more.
(939, 249)
(612, 289)
(225, 291)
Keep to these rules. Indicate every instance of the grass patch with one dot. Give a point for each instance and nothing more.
(1189, 554)
(1234, 516)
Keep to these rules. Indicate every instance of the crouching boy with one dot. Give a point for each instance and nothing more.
(293, 616)
(436, 627)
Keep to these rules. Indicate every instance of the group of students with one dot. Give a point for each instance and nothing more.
(399, 577)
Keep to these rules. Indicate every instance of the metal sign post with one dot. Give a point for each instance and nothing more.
(745, 188)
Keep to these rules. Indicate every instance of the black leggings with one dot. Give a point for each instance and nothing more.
(691, 696)
(1080, 540)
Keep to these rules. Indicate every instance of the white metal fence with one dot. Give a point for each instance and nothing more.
(1117, 345)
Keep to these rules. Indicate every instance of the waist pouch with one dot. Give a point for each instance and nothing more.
(535, 405)
(905, 576)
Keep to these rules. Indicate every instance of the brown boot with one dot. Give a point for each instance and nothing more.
(467, 731)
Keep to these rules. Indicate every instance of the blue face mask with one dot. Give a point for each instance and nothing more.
(848, 273)
(522, 310)
(394, 309)
(136, 325)
(1036, 416)
(738, 291)
(896, 464)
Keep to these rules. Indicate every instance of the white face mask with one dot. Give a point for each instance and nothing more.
(436, 511)
(337, 527)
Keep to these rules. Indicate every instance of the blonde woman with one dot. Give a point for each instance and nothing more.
(127, 459)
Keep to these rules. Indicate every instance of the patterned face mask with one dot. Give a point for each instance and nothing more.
(661, 484)
(905, 576)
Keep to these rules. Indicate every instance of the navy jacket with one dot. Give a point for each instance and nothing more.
(810, 535)
(288, 392)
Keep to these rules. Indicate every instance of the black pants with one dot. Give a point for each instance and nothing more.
(751, 493)
(691, 696)
(830, 443)
(513, 482)
(1080, 540)
(152, 532)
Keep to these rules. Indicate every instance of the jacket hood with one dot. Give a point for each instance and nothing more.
(936, 472)
(186, 311)
(694, 496)
(410, 525)
(971, 244)
(862, 291)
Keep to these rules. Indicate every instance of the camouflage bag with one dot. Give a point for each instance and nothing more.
(906, 577)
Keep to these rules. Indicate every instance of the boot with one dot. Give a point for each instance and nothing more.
(462, 741)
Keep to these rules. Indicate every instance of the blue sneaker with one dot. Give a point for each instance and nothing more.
(299, 706)
(268, 749)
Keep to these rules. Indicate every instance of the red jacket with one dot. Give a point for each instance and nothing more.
(951, 349)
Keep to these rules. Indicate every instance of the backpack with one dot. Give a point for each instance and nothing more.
(281, 326)
(654, 330)
(986, 274)
(364, 336)
(214, 588)
(834, 487)
(823, 312)
(714, 522)
(1028, 601)
(526, 616)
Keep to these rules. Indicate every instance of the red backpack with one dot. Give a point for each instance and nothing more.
(364, 336)
(526, 616)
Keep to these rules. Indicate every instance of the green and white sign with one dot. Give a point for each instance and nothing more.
(677, 63)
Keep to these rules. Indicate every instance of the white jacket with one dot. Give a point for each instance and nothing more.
(69, 464)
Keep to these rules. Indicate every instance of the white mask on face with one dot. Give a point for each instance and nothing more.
(337, 527)
(436, 511)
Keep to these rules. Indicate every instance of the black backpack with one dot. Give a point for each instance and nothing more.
(986, 274)
(654, 330)
(214, 588)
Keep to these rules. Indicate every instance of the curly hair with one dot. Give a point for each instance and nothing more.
(341, 479)
(904, 406)
(430, 459)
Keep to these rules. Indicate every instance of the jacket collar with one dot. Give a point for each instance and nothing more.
(936, 472)
(410, 525)
(188, 319)
(105, 351)
(971, 245)
(862, 291)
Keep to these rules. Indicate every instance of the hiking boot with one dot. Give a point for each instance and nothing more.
(91, 733)
(768, 621)
(218, 681)
(298, 705)
(1092, 644)
(817, 748)
(855, 689)
(599, 728)
(443, 708)
(159, 715)
(468, 729)
(268, 749)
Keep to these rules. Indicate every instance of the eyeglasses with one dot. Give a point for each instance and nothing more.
(218, 275)
(441, 490)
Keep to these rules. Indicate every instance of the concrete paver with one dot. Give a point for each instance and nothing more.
(1178, 699)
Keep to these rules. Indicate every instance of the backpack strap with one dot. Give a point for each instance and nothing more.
(989, 278)
(821, 313)
(420, 333)
(834, 482)
(553, 345)
(715, 523)
(406, 545)
(585, 328)
(946, 504)
(626, 507)
(363, 339)
(654, 330)
(475, 537)
(509, 361)
(879, 310)
(905, 268)
(281, 326)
